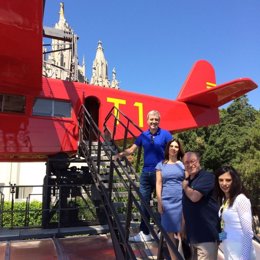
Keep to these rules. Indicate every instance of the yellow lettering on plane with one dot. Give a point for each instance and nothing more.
(116, 103)
(210, 84)
(140, 113)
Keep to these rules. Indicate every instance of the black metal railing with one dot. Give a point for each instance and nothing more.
(122, 170)
(27, 212)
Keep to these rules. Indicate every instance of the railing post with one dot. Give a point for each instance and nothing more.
(111, 179)
(128, 211)
(2, 209)
(59, 206)
(98, 153)
(27, 208)
(13, 190)
(160, 248)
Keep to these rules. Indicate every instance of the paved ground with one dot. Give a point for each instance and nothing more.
(73, 248)
(94, 247)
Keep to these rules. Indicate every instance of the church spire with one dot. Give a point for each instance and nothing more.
(62, 62)
(114, 82)
(83, 67)
(99, 68)
(61, 12)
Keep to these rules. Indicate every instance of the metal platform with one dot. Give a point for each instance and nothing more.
(34, 233)
(71, 248)
(85, 247)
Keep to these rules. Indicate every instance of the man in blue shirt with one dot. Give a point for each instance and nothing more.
(200, 209)
(153, 141)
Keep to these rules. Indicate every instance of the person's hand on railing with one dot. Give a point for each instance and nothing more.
(126, 152)
(118, 156)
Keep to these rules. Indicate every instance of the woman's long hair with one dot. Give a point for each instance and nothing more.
(236, 187)
(179, 154)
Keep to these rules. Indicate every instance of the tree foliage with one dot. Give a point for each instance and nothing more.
(234, 141)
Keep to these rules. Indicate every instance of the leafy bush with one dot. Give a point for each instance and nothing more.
(18, 217)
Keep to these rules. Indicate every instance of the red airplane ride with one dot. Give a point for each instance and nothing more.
(38, 115)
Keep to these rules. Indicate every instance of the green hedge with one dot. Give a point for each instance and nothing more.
(17, 218)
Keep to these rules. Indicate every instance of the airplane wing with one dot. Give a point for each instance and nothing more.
(21, 44)
(200, 87)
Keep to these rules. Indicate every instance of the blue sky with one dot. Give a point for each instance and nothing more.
(154, 43)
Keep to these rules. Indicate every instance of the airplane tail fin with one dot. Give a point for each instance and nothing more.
(200, 87)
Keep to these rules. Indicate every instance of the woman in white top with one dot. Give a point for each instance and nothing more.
(235, 214)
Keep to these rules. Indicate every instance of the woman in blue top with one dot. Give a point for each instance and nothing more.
(169, 177)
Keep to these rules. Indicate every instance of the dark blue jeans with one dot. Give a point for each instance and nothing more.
(147, 187)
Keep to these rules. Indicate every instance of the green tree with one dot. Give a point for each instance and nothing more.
(234, 141)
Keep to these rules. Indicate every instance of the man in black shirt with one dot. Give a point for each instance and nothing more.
(200, 209)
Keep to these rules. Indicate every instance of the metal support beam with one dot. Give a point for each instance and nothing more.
(57, 34)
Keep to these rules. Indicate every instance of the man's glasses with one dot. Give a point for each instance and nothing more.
(191, 162)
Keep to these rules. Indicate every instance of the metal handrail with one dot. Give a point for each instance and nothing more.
(120, 168)
(12, 210)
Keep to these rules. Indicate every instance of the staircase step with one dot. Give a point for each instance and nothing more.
(105, 177)
(121, 194)
(135, 216)
(102, 157)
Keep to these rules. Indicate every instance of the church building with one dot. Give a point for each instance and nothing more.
(60, 61)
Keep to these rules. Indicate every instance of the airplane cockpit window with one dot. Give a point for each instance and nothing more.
(62, 108)
(51, 107)
(12, 103)
(42, 107)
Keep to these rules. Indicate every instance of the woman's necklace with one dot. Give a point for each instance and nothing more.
(224, 206)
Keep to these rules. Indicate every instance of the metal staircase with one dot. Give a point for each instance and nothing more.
(116, 182)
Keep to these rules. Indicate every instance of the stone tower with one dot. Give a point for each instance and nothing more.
(61, 61)
(100, 70)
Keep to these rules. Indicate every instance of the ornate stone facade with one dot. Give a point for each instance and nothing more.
(61, 61)
(56, 64)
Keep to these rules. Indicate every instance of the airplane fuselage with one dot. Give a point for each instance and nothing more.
(48, 122)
